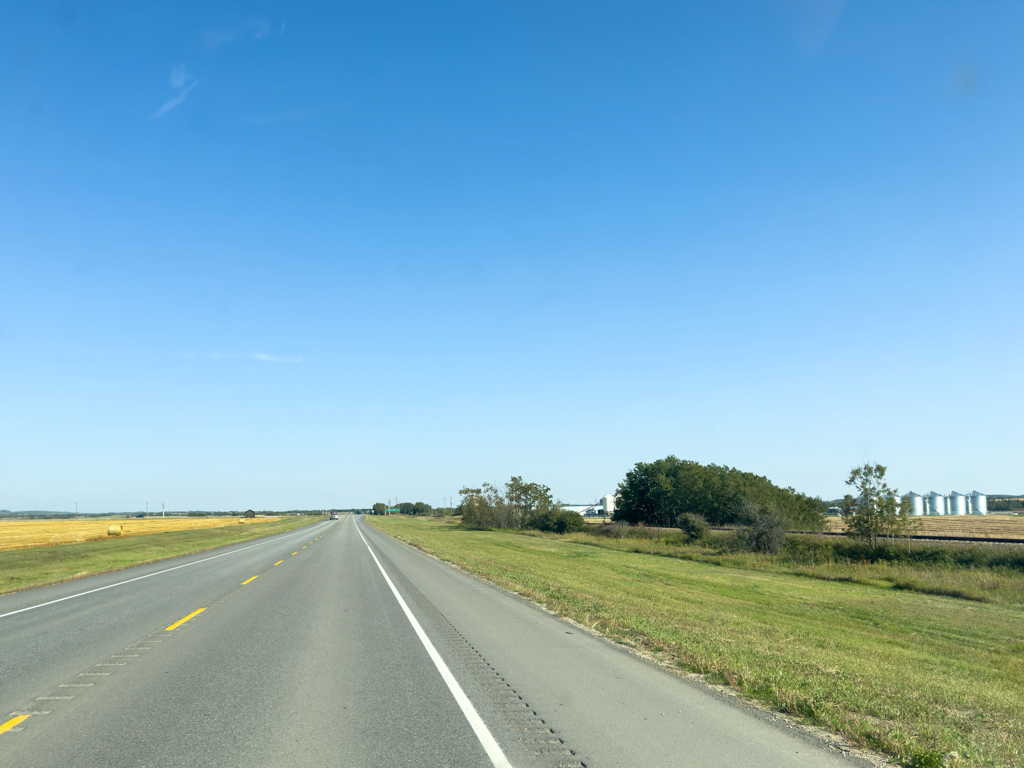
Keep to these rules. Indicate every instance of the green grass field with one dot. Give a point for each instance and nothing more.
(918, 676)
(26, 568)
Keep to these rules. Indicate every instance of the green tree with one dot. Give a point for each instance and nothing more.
(379, 508)
(471, 506)
(524, 500)
(877, 510)
(518, 504)
(658, 492)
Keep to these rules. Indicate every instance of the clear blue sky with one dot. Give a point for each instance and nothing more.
(290, 255)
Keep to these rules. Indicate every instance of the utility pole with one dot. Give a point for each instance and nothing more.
(147, 509)
(162, 512)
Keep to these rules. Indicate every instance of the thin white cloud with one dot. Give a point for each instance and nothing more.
(247, 30)
(175, 101)
(180, 77)
(273, 358)
(183, 81)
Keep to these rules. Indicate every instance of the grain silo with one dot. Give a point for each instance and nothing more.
(936, 504)
(916, 504)
(978, 503)
(608, 504)
(957, 504)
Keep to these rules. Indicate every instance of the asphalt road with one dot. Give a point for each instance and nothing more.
(348, 648)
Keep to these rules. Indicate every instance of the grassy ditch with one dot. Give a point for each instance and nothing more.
(987, 573)
(918, 676)
(26, 568)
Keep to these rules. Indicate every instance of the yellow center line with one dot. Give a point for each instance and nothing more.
(304, 546)
(177, 624)
(279, 562)
(13, 722)
(252, 579)
(295, 552)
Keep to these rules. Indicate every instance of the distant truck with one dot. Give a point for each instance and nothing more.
(334, 515)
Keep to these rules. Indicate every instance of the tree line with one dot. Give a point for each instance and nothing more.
(518, 504)
(1004, 505)
(405, 508)
(670, 490)
(675, 493)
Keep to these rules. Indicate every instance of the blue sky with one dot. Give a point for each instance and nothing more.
(291, 255)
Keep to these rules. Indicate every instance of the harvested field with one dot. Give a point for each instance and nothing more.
(27, 534)
(973, 526)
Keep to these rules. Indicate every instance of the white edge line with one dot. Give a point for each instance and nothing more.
(490, 746)
(137, 578)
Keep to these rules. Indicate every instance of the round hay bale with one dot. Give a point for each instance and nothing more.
(114, 530)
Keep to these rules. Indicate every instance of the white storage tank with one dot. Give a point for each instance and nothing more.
(957, 503)
(608, 504)
(978, 503)
(916, 504)
(936, 504)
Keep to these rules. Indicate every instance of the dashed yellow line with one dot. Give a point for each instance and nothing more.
(177, 624)
(295, 552)
(279, 562)
(304, 545)
(252, 579)
(13, 722)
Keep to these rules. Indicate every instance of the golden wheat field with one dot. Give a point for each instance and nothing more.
(975, 526)
(25, 534)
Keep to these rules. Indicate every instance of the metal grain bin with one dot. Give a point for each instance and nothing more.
(978, 503)
(957, 503)
(917, 504)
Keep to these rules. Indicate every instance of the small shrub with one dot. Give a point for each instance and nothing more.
(766, 534)
(694, 527)
(568, 522)
(616, 530)
(927, 759)
(556, 521)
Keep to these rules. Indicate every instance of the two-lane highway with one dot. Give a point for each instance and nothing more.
(46, 634)
(336, 645)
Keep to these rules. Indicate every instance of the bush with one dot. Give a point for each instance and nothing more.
(765, 534)
(569, 522)
(556, 521)
(694, 527)
(616, 530)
